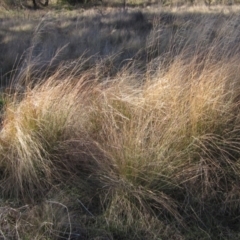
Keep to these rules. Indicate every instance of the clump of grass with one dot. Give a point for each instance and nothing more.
(34, 122)
(128, 156)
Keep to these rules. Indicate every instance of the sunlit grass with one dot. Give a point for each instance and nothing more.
(121, 146)
(145, 148)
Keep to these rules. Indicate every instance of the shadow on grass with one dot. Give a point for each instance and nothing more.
(137, 36)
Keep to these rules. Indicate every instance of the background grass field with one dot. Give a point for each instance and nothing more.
(120, 124)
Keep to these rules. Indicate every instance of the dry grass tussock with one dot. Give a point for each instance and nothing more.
(118, 158)
(146, 152)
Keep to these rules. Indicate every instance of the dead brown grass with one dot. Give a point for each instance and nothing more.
(92, 149)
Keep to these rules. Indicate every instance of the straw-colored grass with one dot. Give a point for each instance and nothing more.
(130, 156)
(147, 149)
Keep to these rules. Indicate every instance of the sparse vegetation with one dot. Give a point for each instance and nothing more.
(120, 124)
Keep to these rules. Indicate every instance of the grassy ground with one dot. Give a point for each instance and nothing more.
(120, 124)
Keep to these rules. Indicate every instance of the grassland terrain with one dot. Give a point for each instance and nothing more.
(120, 123)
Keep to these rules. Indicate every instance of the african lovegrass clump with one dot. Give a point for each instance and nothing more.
(146, 152)
(130, 157)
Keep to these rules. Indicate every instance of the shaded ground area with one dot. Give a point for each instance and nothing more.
(103, 34)
(91, 33)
